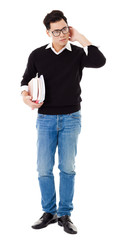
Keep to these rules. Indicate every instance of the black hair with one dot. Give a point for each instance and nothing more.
(52, 17)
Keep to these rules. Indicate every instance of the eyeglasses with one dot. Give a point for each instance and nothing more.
(57, 32)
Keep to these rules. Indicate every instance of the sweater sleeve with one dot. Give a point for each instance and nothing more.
(94, 58)
(30, 71)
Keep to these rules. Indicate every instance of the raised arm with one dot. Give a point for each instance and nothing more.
(94, 58)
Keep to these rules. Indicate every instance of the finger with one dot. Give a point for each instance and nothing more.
(37, 105)
(70, 29)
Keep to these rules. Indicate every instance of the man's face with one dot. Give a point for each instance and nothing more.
(62, 39)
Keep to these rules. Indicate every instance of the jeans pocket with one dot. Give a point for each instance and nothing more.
(39, 119)
(40, 115)
(76, 115)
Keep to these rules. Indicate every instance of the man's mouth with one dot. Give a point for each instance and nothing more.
(64, 39)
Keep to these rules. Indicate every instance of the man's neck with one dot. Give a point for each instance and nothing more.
(57, 47)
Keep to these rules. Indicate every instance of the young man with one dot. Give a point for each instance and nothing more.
(59, 116)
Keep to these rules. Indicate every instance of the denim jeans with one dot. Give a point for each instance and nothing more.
(57, 130)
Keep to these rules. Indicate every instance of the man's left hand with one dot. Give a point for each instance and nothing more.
(74, 34)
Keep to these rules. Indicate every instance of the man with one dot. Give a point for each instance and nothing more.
(59, 116)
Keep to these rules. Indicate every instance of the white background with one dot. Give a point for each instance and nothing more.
(98, 199)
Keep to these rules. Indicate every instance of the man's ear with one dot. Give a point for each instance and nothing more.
(47, 32)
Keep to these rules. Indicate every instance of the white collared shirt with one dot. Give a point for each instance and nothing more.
(67, 46)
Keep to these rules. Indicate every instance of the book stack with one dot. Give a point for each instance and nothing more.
(37, 89)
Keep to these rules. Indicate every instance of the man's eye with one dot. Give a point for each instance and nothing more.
(57, 31)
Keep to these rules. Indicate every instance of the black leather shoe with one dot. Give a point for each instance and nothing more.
(45, 220)
(66, 222)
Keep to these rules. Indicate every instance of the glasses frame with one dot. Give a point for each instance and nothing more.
(60, 30)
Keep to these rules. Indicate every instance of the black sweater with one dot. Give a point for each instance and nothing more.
(62, 74)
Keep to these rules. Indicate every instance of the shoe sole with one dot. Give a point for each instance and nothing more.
(39, 227)
(60, 224)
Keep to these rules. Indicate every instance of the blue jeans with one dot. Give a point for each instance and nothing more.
(57, 130)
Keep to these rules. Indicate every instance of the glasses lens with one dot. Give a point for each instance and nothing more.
(56, 33)
(65, 30)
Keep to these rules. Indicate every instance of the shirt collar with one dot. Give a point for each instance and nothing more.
(68, 47)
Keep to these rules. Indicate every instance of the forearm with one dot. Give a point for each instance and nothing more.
(25, 96)
(83, 40)
(94, 58)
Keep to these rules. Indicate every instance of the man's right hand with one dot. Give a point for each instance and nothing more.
(28, 100)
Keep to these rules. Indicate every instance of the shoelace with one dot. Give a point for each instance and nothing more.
(44, 215)
(66, 218)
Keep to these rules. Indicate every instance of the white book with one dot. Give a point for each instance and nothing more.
(37, 89)
(41, 88)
